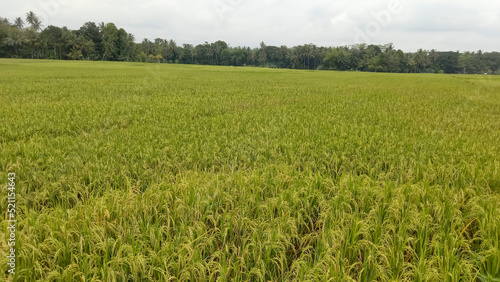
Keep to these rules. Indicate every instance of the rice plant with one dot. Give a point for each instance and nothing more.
(182, 172)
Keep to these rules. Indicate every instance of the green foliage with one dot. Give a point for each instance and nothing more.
(110, 39)
(161, 172)
(105, 41)
(75, 54)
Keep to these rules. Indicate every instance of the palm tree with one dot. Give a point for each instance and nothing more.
(342, 59)
(19, 23)
(72, 40)
(4, 21)
(33, 20)
(262, 54)
(171, 48)
(42, 43)
(15, 38)
(282, 53)
(75, 54)
(294, 59)
(186, 52)
(31, 17)
(147, 46)
(209, 54)
(251, 58)
(411, 63)
(194, 55)
(32, 38)
(78, 44)
(307, 53)
(65, 35)
(216, 50)
(181, 55)
(421, 60)
(433, 56)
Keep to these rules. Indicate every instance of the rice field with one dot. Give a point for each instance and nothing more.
(163, 172)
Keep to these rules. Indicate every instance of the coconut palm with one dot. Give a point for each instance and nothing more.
(307, 53)
(216, 50)
(209, 53)
(18, 22)
(33, 20)
(171, 48)
(42, 45)
(251, 57)
(75, 54)
(32, 38)
(72, 40)
(186, 52)
(15, 38)
(194, 55)
(4, 21)
(294, 59)
(262, 54)
(421, 60)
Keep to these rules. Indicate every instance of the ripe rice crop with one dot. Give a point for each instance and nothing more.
(156, 172)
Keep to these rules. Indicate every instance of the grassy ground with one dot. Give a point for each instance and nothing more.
(140, 172)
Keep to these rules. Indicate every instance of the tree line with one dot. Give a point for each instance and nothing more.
(26, 38)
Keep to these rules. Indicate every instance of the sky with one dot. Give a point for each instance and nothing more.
(444, 25)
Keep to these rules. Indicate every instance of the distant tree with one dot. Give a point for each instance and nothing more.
(109, 37)
(72, 40)
(15, 38)
(492, 61)
(79, 43)
(75, 54)
(132, 49)
(464, 62)
(161, 47)
(448, 62)
(4, 31)
(32, 40)
(262, 54)
(307, 55)
(91, 32)
(159, 57)
(122, 45)
(251, 57)
(377, 64)
(238, 56)
(171, 48)
(433, 56)
(194, 54)
(217, 48)
(18, 23)
(55, 37)
(421, 60)
(105, 41)
(293, 57)
(207, 51)
(147, 46)
(33, 20)
(337, 59)
(391, 60)
(282, 58)
(4, 21)
(186, 53)
(42, 45)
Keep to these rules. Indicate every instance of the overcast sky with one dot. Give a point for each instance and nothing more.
(456, 25)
